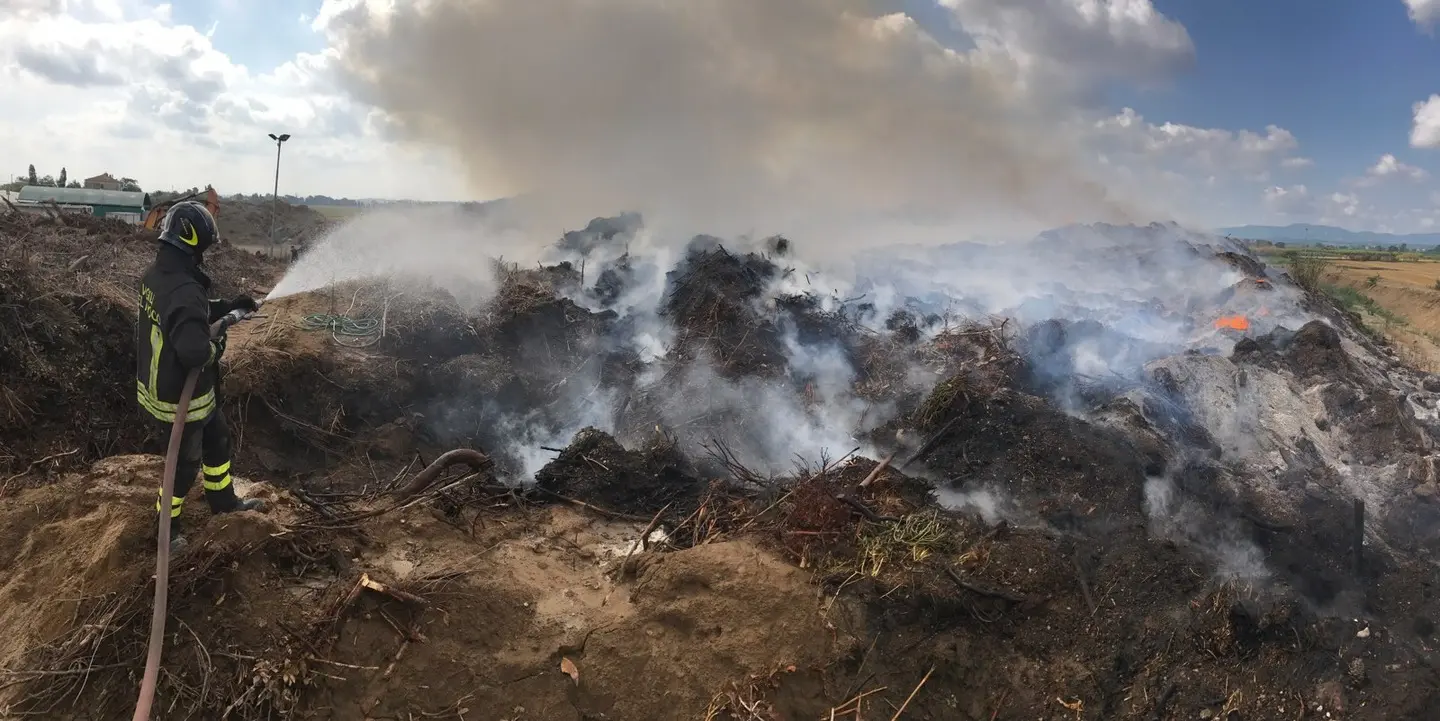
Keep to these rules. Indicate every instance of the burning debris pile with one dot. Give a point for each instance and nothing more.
(1147, 478)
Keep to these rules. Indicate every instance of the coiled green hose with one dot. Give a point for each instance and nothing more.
(340, 325)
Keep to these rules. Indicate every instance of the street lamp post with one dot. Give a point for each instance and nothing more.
(275, 197)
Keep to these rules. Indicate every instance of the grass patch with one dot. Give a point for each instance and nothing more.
(1351, 299)
(901, 545)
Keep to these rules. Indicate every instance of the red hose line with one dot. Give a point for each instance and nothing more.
(162, 554)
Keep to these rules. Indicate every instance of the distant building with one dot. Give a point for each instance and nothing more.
(103, 181)
(111, 203)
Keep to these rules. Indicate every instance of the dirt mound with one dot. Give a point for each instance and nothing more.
(706, 597)
(271, 620)
(1248, 264)
(300, 397)
(600, 233)
(77, 579)
(712, 299)
(247, 223)
(563, 640)
(1313, 352)
(595, 466)
(562, 614)
(1014, 445)
(62, 545)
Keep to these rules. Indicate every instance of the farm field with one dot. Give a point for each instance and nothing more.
(1406, 301)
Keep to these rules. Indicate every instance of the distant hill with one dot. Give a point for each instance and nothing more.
(1329, 235)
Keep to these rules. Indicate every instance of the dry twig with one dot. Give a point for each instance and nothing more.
(879, 468)
(911, 697)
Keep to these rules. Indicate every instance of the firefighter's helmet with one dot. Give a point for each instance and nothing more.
(188, 225)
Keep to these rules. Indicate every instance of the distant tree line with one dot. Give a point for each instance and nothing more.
(323, 200)
(1354, 252)
(130, 184)
(29, 177)
(298, 199)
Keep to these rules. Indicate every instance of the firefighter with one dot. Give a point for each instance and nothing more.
(172, 336)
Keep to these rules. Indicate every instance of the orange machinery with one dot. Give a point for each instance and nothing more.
(157, 213)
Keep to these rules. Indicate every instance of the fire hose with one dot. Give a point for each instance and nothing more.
(162, 550)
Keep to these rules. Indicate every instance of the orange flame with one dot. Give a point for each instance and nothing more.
(1233, 322)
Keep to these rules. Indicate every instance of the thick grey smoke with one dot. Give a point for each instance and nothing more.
(727, 116)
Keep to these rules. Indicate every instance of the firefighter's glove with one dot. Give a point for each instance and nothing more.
(245, 303)
(217, 347)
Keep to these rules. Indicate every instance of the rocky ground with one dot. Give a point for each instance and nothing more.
(1017, 535)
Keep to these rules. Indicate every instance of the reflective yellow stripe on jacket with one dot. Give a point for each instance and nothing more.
(200, 408)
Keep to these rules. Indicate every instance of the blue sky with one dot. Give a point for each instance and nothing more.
(1342, 80)
(260, 34)
(1213, 112)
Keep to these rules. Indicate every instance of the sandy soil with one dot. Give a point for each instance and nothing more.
(522, 617)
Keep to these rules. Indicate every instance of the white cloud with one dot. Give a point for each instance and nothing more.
(118, 86)
(1072, 42)
(1390, 167)
(1298, 203)
(1296, 163)
(1244, 153)
(1343, 204)
(1301, 204)
(1425, 13)
(1292, 201)
(1426, 133)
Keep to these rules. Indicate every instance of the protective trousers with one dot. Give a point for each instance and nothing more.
(204, 447)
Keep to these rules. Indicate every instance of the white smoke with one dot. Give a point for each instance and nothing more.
(435, 246)
(1172, 516)
(819, 118)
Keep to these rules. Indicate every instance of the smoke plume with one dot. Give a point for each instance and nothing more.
(807, 116)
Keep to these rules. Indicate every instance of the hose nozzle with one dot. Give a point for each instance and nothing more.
(231, 318)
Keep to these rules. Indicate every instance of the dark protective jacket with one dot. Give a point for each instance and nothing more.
(172, 336)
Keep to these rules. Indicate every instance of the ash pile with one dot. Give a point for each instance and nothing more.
(1175, 362)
